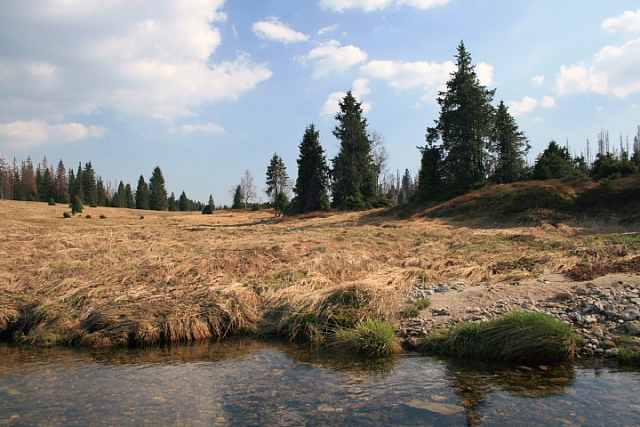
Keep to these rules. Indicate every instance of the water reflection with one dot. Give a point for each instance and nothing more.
(247, 382)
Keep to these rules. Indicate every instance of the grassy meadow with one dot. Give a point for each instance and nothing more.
(131, 277)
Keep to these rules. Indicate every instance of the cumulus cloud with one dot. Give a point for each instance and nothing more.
(628, 21)
(207, 128)
(273, 29)
(528, 104)
(24, 134)
(154, 61)
(371, 5)
(332, 57)
(405, 75)
(484, 72)
(613, 71)
(359, 89)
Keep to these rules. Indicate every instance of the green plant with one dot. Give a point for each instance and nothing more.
(52, 202)
(141, 216)
(423, 302)
(88, 216)
(372, 337)
(66, 215)
(102, 217)
(518, 337)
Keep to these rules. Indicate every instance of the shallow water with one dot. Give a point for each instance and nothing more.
(250, 383)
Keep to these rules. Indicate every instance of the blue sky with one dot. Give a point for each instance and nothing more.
(207, 89)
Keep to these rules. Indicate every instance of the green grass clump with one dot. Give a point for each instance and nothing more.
(372, 337)
(422, 302)
(518, 337)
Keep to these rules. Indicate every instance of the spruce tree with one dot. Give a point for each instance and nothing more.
(463, 127)
(353, 173)
(142, 194)
(89, 186)
(184, 204)
(62, 184)
(277, 181)
(158, 200)
(128, 200)
(119, 197)
(103, 197)
(76, 184)
(511, 147)
(238, 198)
(313, 174)
(554, 162)
(172, 204)
(209, 207)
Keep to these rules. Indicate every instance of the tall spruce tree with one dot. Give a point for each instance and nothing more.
(354, 173)
(238, 198)
(277, 182)
(62, 184)
(464, 127)
(209, 207)
(158, 200)
(142, 194)
(184, 204)
(313, 174)
(89, 186)
(510, 145)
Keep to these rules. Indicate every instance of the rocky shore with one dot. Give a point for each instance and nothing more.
(604, 312)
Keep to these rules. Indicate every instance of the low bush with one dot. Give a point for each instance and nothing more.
(518, 337)
(423, 302)
(66, 215)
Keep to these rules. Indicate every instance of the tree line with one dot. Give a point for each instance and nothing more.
(471, 144)
(82, 187)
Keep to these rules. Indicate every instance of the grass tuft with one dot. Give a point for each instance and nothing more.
(372, 337)
(518, 337)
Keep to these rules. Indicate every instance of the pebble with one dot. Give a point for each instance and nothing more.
(598, 315)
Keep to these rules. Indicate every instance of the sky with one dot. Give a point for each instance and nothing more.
(207, 89)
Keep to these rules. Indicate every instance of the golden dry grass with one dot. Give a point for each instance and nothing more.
(173, 276)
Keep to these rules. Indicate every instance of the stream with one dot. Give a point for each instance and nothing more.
(243, 382)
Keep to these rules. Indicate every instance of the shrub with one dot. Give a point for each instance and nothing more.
(373, 337)
(141, 216)
(76, 205)
(102, 217)
(66, 215)
(88, 216)
(518, 337)
(207, 210)
(52, 202)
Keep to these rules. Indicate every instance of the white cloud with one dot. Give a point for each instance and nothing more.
(359, 90)
(273, 29)
(484, 72)
(405, 75)
(366, 5)
(628, 21)
(613, 71)
(547, 101)
(538, 80)
(207, 128)
(371, 5)
(331, 57)
(154, 61)
(528, 104)
(328, 29)
(25, 134)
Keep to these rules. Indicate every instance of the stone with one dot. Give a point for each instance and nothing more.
(611, 352)
(564, 296)
(630, 313)
(437, 407)
(632, 326)
(579, 290)
(443, 288)
(607, 344)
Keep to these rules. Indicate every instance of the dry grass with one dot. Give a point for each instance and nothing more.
(123, 280)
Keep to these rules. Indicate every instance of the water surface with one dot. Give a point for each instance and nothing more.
(251, 383)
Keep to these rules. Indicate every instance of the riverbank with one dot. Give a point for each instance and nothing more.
(128, 277)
